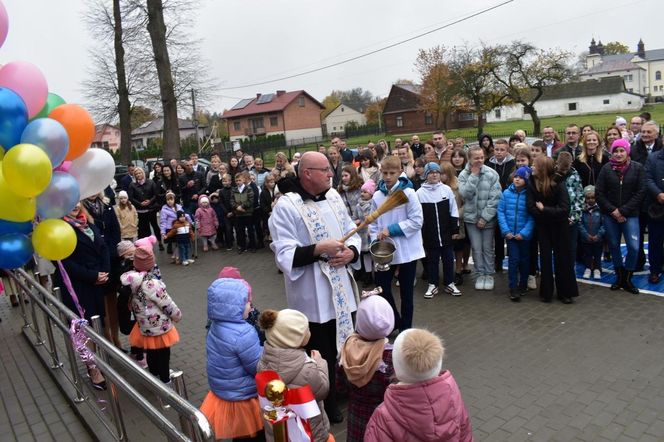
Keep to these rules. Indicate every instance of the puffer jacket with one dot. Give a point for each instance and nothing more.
(206, 221)
(233, 348)
(441, 216)
(481, 194)
(591, 224)
(513, 216)
(427, 411)
(153, 308)
(168, 217)
(297, 369)
(626, 195)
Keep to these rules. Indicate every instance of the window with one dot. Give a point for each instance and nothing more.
(342, 109)
(658, 75)
(467, 116)
(256, 123)
(628, 77)
(274, 121)
(428, 119)
(496, 113)
(236, 125)
(300, 101)
(629, 102)
(606, 101)
(399, 120)
(571, 106)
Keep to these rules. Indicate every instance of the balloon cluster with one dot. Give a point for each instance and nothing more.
(46, 165)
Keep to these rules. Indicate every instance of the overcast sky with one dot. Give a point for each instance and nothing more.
(248, 41)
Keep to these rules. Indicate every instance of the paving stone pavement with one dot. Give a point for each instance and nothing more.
(527, 371)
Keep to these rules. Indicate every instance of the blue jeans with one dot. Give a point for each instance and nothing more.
(518, 262)
(481, 243)
(402, 321)
(183, 249)
(630, 230)
(433, 258)
(655, 243)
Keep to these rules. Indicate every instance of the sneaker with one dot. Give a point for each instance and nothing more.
(185, 263)
(143, 363)
(229, 248)
(479, 283)
(432, 291)
(191, 261)
(452, 289)
(586, 274)
(532, 282)
(597, 274)
(488, 282)
(515, 295)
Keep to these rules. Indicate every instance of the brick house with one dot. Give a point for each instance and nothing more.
(106, 137)
(294, 114)
(402, 113)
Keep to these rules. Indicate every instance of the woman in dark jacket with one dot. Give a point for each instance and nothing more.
(144, 195)
(620, 190)
(591, 160)
(88, 269)
(548, 203)
(168, 181)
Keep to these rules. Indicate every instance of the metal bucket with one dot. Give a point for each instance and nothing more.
(382, 253)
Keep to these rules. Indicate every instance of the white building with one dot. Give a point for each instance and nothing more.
(641, 70)
(155, 129)
(606, 94)
(336, 121)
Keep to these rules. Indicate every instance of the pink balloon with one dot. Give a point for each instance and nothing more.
(28, 82)
(64, 167)
(4, 23)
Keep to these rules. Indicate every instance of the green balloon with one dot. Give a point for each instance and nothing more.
(53, 101)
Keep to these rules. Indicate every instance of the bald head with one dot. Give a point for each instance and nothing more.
(312, 158)
(314, 172)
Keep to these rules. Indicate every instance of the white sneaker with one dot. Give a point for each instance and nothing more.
(432, 290)
(488, 282)
(586, 274)
(191, 261)
(597, 274)
(479, 283)
(452, 290)
(185, 263)
(532, 282)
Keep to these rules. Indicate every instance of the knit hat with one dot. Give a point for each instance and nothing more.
(179, 213)
(620, 121)
(285, 328)
(417, 356)
(143, 259)
(234, 273)
(621, 142)
(375, 318)
(590, 189)
(123, 194)
(369, 186)
(524, 172)
(148, 241)
(126, 248)
(431, 167)
(203, 199)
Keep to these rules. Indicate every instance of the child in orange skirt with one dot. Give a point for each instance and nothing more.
(154, 311)
(233, 351)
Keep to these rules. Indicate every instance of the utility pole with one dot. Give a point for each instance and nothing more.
(194, 119)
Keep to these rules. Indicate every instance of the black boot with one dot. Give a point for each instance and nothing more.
(627, 283)
(620, 279)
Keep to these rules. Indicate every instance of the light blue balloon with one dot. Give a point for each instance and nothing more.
(59, 198)
(50, 136)
(12, 227)
(15, 250)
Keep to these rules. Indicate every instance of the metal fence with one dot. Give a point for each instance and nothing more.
(46, 328)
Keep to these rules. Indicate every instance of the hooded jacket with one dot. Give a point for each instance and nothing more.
(488, 152)
(440, 213)
(168, 216)
(206, 220)
(233, 347)
(297, 369)
(591, 224)
(513, 216)
(481, 194)
(504, 169)
(427, 411)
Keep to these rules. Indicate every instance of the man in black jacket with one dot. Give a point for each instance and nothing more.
(191, 183)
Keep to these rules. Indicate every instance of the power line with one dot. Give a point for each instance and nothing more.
(384, 48)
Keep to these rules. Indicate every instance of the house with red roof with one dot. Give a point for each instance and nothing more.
(107, 136)
(294, 114)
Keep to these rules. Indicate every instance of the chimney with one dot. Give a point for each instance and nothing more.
(258, 96)
(593, 47)
(641, 49)
(280, 93)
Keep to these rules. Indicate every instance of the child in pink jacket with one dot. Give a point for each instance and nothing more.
(426, 404)
(206, 223)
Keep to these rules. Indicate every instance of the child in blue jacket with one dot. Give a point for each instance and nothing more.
(517, 225)
(233, 352)
(591, 232)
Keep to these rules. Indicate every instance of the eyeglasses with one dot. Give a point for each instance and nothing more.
(321, 169)
(571, 133)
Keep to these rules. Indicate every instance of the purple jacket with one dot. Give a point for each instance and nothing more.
(168, 215)
(427, 411)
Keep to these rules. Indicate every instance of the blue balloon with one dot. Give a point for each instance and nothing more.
(50, 136)
(13, 118)
(15, 250)
(12, 227)
(60, 197)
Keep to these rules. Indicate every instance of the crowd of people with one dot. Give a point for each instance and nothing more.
(545, 205)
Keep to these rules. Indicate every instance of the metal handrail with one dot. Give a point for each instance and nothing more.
(195, 425)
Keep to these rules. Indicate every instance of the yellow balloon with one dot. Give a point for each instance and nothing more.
(2, 153)
(27, 170)
(54, 239)
(13, 207)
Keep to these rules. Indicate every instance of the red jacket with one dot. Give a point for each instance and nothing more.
(431, 411)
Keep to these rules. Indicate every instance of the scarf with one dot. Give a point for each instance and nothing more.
(361, 359)
(80, 223)
(621, 168)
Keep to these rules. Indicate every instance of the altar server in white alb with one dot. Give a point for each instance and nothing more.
(306, 224)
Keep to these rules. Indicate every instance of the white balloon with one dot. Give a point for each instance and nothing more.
(94, 171)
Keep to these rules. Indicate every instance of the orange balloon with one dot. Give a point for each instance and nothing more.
(79, 126)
